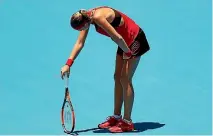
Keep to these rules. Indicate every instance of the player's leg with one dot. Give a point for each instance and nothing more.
(129, 69)
(118, 90)
(118, 93)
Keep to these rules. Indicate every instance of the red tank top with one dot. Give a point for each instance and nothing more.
(128, 30)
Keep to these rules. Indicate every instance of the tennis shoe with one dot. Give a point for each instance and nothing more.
(110, 122)
(122, 126)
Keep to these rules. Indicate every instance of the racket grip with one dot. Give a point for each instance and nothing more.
(66, 77)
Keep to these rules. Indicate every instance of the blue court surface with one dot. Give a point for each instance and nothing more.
(172, 83)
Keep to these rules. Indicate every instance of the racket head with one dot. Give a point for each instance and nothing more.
(67, 114)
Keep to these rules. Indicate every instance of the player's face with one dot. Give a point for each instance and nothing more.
(85, 27)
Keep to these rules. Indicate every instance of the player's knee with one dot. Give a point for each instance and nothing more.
(125, 79)
(117, 77)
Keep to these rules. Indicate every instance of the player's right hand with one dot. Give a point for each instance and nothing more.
(127, 56)
(65, 70)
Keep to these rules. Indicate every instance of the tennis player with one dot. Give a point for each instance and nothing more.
(132, 44)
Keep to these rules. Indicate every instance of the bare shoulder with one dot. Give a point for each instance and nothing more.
(98, 14)
(104, 12)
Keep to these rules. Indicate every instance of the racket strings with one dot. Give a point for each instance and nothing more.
(68, 119)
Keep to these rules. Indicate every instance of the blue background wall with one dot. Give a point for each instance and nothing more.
(172, 82)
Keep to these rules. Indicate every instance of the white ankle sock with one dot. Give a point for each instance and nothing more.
(117, 116)
(127, 121)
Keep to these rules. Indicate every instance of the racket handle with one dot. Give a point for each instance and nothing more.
(66, 77)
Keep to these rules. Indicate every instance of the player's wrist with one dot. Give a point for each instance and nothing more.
(69, 62)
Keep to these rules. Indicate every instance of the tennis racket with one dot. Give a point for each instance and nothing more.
(67, 110)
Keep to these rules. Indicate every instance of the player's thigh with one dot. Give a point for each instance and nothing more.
(118, 67)
(129, 68)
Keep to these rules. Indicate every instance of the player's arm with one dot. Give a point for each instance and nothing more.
(116, 37)
(79, 44)
(75, 51)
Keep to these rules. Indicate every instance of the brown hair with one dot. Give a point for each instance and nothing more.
(79, 19)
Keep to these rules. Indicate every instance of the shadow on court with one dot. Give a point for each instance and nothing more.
(139, 127)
